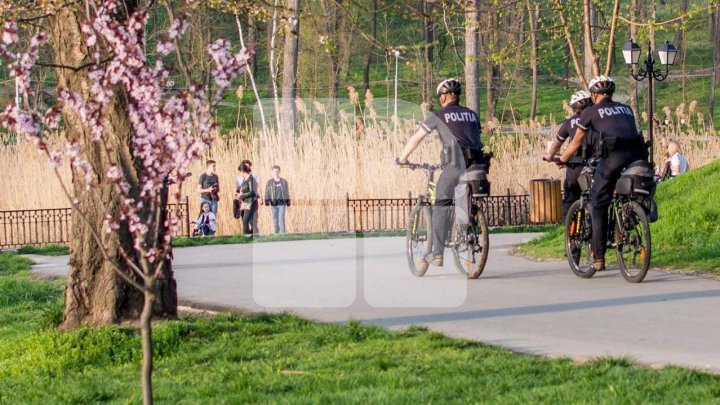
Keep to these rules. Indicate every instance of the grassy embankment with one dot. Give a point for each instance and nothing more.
(687, 235)
(281, 358)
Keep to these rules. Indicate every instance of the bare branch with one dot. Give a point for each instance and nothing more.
(568, 38)
(74, 68)
(611, 41)
(46, 15)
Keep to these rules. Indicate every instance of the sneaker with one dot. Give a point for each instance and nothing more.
(437, 261)
(599, 265)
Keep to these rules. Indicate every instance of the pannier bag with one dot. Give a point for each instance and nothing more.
(638, 180)
(476, 177)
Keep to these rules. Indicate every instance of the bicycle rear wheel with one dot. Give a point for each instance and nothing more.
(418, 239)
(633, 244)
(578, 237)
(470, 246)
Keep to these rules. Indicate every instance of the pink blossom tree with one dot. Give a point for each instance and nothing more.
(128, 140)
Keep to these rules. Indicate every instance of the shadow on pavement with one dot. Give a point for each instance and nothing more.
(539, 309)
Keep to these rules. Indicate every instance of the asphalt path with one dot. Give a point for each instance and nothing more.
(528, 306)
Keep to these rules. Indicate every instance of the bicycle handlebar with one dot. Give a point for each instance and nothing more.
(572, 163)
(414, 166)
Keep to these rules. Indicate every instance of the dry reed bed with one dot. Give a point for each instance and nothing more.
(327, 162)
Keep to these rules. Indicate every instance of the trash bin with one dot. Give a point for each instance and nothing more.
(545, 201)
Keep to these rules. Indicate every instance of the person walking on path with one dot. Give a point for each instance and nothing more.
(277, 197)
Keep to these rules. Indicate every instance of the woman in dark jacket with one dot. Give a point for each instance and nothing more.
(247, 195)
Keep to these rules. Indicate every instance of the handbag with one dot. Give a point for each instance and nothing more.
(245, 206)
(236, 209)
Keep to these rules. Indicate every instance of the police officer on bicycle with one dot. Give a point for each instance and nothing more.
(571, 189)
(459, 130)
(619, 144)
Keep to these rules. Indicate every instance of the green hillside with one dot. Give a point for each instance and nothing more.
(687, 235)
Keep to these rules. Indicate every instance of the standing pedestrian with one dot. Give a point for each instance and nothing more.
(209, 187)
(255, 229)
(277, 197)
(248, 197)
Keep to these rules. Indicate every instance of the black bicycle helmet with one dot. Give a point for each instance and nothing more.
(602, 85)
(449, 86)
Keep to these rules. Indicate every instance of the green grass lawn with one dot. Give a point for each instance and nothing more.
(687, 235)
(281, 358)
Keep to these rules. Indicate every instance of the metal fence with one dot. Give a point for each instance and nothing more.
(53, 225)
(375, 214)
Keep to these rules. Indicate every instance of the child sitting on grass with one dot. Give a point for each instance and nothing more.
(206, 224)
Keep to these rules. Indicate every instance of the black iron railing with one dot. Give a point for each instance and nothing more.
(53, 225)
(375, 214)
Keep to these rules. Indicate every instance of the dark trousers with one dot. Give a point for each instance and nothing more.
(247, 218)
(606, 176)
(442, 209)
(571, 188)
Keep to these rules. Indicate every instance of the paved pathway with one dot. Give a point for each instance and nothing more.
(533, 307)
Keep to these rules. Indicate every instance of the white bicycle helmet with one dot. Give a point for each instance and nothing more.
(580, 99)
(602, 85)
(449, 86)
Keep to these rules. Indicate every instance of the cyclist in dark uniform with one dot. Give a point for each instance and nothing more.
(614, 125)
(459, 130)
(571, 189)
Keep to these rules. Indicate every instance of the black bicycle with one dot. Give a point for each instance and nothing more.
(628, 228)
(469, 244)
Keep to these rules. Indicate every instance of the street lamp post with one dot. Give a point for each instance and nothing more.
(631, 53)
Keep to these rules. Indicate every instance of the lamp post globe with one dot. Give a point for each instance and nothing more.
(631, 52)
(667, 53)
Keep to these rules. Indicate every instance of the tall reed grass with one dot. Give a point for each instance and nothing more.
(329, 159)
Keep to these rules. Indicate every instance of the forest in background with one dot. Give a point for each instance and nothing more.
(518, 59)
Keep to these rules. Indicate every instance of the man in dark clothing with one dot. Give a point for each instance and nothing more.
(571, 189)
(209, 187)
(459, 130)
(277, 197)
(614, 124)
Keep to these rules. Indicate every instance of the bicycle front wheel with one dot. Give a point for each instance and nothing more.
(418, 239)
(578, 237)
(470, 246)
(633, 242)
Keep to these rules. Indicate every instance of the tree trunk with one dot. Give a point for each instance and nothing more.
(611, 41)
(373, 36)
(680, 34)
(472, 22)
(591, 65)
(332, 32)
(715, 76)
(147, 349)
(492, 69)
(566, 66)
(252, 43)
(272, 28)
(533, 17)
(651, 35)
(493, 79)
(290, 65)
(633, 84)
(94, 294)
(428, 26)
